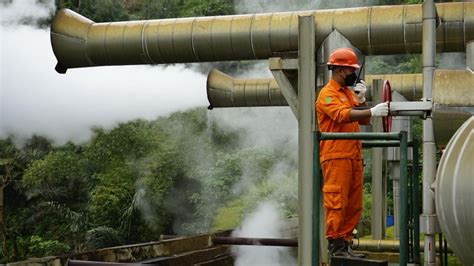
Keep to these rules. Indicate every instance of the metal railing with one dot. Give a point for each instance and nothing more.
(409, 200)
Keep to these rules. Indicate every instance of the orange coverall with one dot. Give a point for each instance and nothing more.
(341, 161)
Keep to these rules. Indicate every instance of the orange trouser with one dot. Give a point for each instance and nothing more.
(342, 193)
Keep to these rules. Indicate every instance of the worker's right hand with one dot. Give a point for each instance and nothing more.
(380, 109)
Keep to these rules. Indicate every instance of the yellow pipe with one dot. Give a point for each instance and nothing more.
(382, 245)
(79, 42)
(225, 91)
(453, 100)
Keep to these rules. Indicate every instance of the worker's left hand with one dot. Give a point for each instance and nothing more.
(360, 90)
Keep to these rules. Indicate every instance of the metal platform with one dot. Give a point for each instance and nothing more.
(343, 261)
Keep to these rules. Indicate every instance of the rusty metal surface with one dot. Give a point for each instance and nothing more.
(79, 42)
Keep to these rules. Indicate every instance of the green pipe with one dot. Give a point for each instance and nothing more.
(409, 214)
(403, 198)
(361, 136)
(316, 199)
(416, 204)
(381, 143)
(411, 211)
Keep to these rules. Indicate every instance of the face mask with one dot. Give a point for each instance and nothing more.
(350, 79)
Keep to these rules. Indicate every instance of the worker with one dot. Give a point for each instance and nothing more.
(341, 160)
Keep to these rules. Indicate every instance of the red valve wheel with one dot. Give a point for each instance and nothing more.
(387, 97)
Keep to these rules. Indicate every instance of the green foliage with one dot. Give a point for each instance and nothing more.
(367, 202)
(102, 237)
(125, 142)
(39, 247)
(111, 196)
(112, 10)
(96, 10)
(393, 64)
(184, 173)
(58, 176)
(193, 8)
(271, 181)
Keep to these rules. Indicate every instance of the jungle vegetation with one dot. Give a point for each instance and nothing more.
(174, 175)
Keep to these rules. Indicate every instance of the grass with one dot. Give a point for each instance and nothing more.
(389, 232)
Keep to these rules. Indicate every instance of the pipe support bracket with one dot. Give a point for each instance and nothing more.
(429, 224)
(418, 108)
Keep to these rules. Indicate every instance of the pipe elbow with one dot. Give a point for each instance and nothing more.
(69, 32)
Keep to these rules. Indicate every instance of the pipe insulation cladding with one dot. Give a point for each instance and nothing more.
(80, 42)
(453, 100)
(453, 192)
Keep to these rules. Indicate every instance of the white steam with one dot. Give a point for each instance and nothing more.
(262, 6)
(265, 222)
(25, 11)
(271, 128)
(34, 99)
(267, 127)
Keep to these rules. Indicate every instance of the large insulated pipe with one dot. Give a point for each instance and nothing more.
(225, 91)
(428, 219)
(452, 95)
(410, 86)
(453, 104)
(453, 194)
(80, 42)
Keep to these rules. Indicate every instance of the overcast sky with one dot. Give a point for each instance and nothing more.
(34, 99)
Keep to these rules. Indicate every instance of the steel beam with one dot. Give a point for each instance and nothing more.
(306, 84)
(277, 67)
(378, 182)
(429, 147)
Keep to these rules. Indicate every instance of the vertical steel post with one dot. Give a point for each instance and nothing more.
(306, 85)
(429, 218)
(410, 212)
(378, 197)
(416, 204)
(403, 198)
(316, 199)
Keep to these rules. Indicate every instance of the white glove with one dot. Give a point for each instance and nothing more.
(380, 109)
(360, 90)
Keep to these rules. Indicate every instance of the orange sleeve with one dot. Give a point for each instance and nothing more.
(364, 121)
(329, 104)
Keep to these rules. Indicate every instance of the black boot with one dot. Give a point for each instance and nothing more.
(349, 251)
(337, 247)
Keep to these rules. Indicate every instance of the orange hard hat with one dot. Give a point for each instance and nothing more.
(343, 57)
